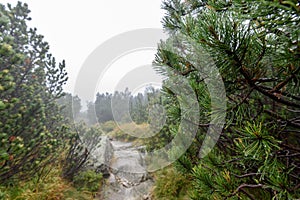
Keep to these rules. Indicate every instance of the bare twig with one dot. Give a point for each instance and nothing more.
(289, 155)
(246, 175)
(244, 185)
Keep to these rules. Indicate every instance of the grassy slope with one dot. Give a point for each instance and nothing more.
(50, 187)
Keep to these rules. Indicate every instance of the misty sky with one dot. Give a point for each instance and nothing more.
(75, 28)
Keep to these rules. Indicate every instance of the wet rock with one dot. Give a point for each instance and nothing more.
(101, 156)
(129, 178)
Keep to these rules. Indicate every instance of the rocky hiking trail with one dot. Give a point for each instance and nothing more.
(125, 171)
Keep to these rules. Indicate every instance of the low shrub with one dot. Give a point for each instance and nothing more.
(170, 185)
(108, 126)
(88, 181)
(131, 132)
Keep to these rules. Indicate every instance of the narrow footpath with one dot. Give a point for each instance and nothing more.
(129, 179)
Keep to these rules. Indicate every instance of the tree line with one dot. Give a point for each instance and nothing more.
(127, 107)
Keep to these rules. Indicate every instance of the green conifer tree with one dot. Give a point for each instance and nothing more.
(255, 46)
(31, 130)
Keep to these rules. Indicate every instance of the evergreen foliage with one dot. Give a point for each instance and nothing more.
(255, 46)
(88, 181)
(103, 107)
(71, 106)
(31, 131)
(170, 185)
(122, 107)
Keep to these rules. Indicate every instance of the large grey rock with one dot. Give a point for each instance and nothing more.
(128, 164)
(101, 156)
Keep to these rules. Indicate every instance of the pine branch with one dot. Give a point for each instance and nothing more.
(289, 155)
(265, 80)
(244, 185)
(291, 147)
(285, 82)
(284, 93)
(243, 100)
(246, 175)
(276, 115)
(269, 94)
(245, 72)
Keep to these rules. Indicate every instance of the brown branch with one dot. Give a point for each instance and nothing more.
(244, 185)
(295, 119)
(274, 97)
(286, 81)
(230, 98)
(232, 160)
(275, 115)
(289, 155)
(245, 72)
(296, 187)
(197, 124)
(289, 131)
(246, 175)
(281, 92)
(248, 194)
(265, 80)
(244, 99)
(294, 111)
(261, 55)
(291, 147)
(187, 72)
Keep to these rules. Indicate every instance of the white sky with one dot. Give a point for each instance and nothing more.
(75, 28)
